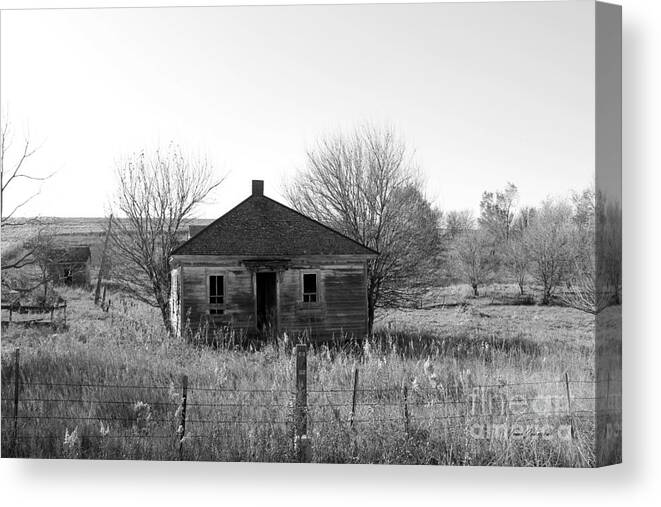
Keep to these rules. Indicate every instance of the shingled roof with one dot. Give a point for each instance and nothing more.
(262, 227)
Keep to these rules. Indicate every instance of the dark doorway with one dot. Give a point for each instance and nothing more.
(68, 275)
(266, 302)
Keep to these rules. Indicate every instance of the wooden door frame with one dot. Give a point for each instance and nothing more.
(276, 277)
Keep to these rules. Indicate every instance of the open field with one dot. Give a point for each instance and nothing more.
(69, 231)
(485, 384)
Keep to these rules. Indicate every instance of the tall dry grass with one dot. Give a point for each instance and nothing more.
(486, 393)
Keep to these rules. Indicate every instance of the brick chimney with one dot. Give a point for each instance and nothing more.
(257, 187)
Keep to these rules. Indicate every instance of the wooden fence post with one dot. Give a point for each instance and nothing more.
(182, 421)
(97, 292)
(17, 353)
(405, 393)
(571, 419)
(301, 441)
(353, 399)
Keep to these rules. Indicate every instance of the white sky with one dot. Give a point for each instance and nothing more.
(484, 93)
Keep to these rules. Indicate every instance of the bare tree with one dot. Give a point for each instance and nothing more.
(608, 244)
(551, 240)
(45, 254)
(13, 169)
(584, 294)
(458, 222)
(517, 259)
(584, 204)
(497, 213)
(364, 185)
(155, 193)
(454, 224)
(475, 258)
(34, 258)
(516, 252)
(595, 280)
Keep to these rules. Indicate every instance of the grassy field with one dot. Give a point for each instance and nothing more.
(68, 231)
(475, 384)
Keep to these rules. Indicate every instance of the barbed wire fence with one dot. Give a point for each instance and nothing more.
(186, 412)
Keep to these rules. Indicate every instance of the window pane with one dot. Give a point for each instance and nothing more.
(216, 289)
(309, 283)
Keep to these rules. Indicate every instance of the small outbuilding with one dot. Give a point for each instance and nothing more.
(70, 266)
(265, 268)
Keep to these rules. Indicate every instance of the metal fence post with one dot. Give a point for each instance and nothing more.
(301, 441)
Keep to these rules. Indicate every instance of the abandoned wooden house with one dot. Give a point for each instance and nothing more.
(265, 268)
(70, 266)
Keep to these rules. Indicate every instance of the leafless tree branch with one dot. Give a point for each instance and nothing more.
(11, 171)
(155, 194)
(364, 185)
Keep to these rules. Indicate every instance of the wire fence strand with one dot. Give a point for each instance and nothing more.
(223, 407)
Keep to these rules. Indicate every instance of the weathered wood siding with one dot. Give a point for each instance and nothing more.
(340, 309)
(239, 304)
